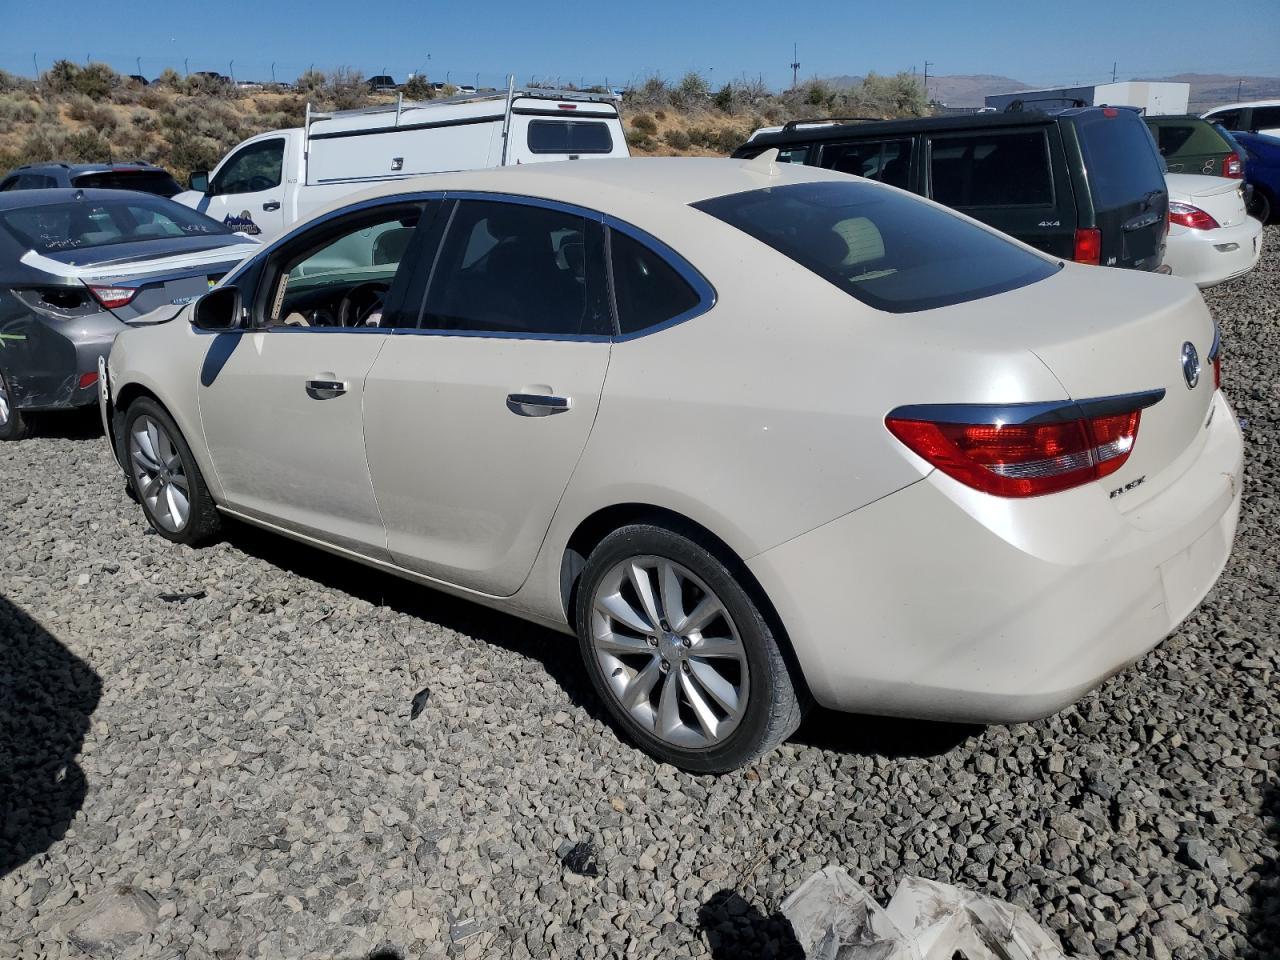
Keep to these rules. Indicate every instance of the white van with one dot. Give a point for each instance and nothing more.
(269, 182)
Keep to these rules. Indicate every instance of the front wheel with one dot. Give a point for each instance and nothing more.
(165, 476)
(680, 652)
(13, 426)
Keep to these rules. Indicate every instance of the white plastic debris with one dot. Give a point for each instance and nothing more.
(836, 919)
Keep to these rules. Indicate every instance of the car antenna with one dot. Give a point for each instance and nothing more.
(765, 162)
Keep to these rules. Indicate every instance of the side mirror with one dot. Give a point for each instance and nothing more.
(199, 181)
(219, 309)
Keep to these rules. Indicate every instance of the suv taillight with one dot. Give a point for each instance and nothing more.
(1231, 166)
(1088, 246)
(1185, 215)
(1023, 459)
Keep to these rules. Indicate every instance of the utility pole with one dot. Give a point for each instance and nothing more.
(927, 65)
(273, 73)
(138, 61)
(231, 69)
(35, 66)
(795, 66)
(1239, 87)
(1114, 64)
(186, 66)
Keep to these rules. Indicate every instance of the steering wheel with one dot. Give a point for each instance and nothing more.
(259, 183)
(360, 302)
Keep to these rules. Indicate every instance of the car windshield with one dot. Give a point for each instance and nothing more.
(882, 247)
(84, 224)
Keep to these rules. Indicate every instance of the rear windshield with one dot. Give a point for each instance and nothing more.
(888, 249)
(147, 181)
(1120, 158)
(569, 136)
(84, 224)
(1181, 138)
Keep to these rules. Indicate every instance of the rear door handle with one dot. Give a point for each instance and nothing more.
(536, 404)
(271, 205)
(318, 389)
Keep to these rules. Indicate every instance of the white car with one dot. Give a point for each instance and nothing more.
(758, 433)
(1255, 116)
(1211, 236)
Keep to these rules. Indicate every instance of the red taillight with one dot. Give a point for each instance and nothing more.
(88, 379)
(1231, 166)
(1185, 215)
(112, 297)
(567, 106)
(1088, 246)
(1023, 460)
(1110, 112)
(1217, 370)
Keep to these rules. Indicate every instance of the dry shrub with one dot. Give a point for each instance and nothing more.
(644, 123)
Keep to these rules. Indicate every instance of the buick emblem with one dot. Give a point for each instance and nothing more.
(1190, 365)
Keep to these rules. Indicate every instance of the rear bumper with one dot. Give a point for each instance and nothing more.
(939, 602)
(50, 375)
(1210, 257)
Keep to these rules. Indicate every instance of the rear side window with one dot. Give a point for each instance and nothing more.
(30, 181)
(1186, 138)
(1265, 118)
(1119, 157)
(886, 249)
(648, 290)
(146, 181)
(888, 161)
(991, 169)
(519, 269)
(569, 136)
(1228, 118)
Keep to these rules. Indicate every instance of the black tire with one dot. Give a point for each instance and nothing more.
(1260, 206)
(203, 522)
(15, 425)
(776, 700)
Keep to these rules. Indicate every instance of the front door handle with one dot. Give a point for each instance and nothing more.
(271, 205)
(322, 389)
(536, 404)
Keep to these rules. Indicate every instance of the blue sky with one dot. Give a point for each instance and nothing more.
(622, 41)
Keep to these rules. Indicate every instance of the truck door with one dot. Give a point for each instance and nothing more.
(247, 190)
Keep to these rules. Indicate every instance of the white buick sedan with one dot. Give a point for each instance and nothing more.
(760, 435)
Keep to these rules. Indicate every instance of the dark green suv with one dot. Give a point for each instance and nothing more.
(1083, 184)
(1192, 145)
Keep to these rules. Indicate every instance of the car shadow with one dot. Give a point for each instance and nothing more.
(734, 929)
(47, 695)
(558, 653)
(1263, 921)
(79, 424)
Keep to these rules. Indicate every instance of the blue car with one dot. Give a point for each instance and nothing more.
(1261, 170)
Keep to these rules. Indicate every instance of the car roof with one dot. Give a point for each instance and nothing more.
(802, 133)
(22, 199)
(1244, 103)
(637, 189)
(77, 168)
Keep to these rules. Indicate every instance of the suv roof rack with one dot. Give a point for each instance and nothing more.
(400, 105)
(793, 124)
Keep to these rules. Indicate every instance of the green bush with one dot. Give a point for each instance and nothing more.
(693, 90)
(418, 87)
(725, 99)
(86, 146)
(644, 123)
(94, 81)
(677, 139)
(638, 138)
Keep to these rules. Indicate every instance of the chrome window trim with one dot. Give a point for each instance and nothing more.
(706, 293)
(1054, 411)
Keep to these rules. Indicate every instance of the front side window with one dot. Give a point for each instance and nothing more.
(569, 136)
(884, 248)
(518, 269)
(991, 169)
(82, 224)
(888, 161)
(1228, 118)
(648, 290)
(1265, 118)
(342, 275)
(255, 168)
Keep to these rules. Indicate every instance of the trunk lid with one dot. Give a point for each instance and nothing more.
(1220, 197)
(1122, 333)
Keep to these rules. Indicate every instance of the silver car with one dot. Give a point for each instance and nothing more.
(77, 266)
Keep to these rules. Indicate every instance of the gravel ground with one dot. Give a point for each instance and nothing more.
(248, 757)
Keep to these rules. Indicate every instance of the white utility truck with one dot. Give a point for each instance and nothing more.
(269, 182)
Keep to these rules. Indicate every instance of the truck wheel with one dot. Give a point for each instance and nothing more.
(165, 476)
(13, 425)
(680, 653)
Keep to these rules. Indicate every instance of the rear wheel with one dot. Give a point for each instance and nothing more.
(13, 426)
(680, 652)
(165, 477)
(1260, 206)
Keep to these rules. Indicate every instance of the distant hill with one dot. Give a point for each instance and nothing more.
(1207, 89)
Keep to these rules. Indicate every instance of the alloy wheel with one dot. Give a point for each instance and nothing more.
(669, 651)
(158, 474)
